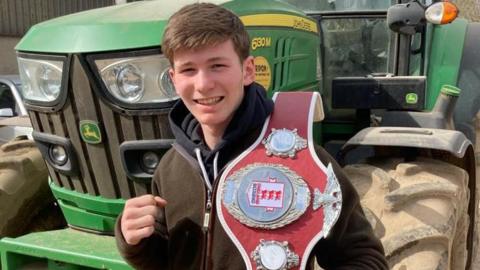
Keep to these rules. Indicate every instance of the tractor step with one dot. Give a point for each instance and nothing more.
(65, 249)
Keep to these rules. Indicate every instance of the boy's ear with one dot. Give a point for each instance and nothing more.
(248, 70)
(171, 72)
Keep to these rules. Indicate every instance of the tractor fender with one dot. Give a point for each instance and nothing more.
(452, 141)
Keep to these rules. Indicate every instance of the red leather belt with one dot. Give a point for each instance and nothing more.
(277, 199)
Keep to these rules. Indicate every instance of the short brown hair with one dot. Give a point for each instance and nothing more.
(203, 24)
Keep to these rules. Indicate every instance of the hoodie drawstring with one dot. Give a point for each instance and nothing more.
(206, 179)
(215, 166)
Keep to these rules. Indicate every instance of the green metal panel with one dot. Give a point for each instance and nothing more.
(284, 42)
(81, 218)
(62, 249)
(132, 25)
(246, 7)
(444, 58)
(87, 211)
(290, 58)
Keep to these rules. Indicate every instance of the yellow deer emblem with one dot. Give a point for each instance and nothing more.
(90, 134)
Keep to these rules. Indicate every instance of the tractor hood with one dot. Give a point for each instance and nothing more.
(249, 7)
(132, 25)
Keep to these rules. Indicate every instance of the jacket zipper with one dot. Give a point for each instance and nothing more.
(208, 218)
(206, 228)
(208, 211)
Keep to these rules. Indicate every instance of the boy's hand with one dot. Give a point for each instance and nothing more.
(139, 216)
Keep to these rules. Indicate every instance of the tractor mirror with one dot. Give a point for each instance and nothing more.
(406, 18)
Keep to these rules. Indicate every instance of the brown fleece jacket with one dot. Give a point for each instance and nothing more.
(179, 241)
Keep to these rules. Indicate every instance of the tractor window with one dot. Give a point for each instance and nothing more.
(340, 5)
(415, 63)
(353, 47)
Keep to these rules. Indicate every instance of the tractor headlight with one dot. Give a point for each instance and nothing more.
(125, 82)
(136, 81)
(58, 154)
(58, 151)
(41, 79)
(150, 161)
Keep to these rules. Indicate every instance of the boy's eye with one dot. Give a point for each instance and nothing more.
(187, 70)
(218, 66)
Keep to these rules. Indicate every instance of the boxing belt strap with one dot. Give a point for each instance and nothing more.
(277, 200)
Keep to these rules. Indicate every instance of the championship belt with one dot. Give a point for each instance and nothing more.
(277, 200)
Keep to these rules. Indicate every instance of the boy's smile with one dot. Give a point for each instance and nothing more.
(210, 81)
(208, 101)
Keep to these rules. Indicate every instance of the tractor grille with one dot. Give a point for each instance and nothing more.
(101, 170)
(282, 52)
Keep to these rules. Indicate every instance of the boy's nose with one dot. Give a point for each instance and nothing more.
(204, 81)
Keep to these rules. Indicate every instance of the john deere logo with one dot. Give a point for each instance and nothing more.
(90, 132)
(411, 98)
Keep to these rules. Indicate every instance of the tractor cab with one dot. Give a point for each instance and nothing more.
(380, 55)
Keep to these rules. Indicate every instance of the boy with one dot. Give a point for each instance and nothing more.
(220, 114)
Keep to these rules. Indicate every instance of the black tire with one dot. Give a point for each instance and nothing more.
(25, 197)
(476, 240)
(418, 210)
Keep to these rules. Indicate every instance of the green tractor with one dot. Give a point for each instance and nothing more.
(98, 93)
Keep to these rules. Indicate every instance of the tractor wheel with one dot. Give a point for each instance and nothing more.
(418, 209)
(25, 197)
(476, 240)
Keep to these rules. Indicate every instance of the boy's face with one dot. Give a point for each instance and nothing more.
(210, 82)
